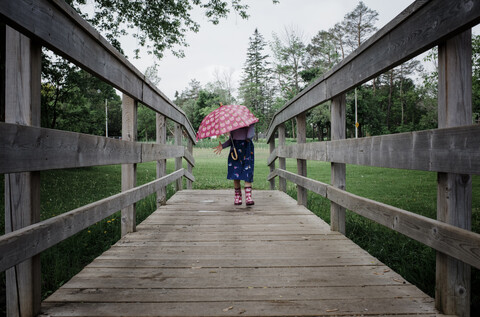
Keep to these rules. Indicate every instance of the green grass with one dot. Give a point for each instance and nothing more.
(64, 190)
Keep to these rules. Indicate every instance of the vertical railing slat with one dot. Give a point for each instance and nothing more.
(454, 192)
(301, 164)
(178, 160)
(129, 171)
(22, 190)
(162, 163)
(272, 166)
(189, 166)
(338, 170)
(282, 182)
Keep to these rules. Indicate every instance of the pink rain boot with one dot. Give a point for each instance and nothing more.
(248, 196)
(238, 196)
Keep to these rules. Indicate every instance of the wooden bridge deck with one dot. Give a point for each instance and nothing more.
(201, 256)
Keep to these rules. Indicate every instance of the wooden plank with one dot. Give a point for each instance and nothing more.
(22, 190)
(301, 164)
(161, 136)
(129, 171)
(188, 175)
(190, 162)
(48, 24)
(275, 307)
(204, 265)
(26, 242)
(272, 164)
(310, 184)
(282, 183)
(219, 294)
(456, 242)
(411, 31)
(338, 170)
(454, 191)
(178, 160)
(450, 150)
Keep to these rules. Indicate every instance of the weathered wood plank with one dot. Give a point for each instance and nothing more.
(282, 183)
(450, 150)
(129, 171)
(48, 26)
(272, 164)
(219, 294)
(22, 71)
(161, 138)
(178, 160)
(409, 34)
(274, 307)
(454, 191)
(26, 242)
(301, 164)
(204, 265)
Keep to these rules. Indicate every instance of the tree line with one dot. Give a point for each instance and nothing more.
(402, 99)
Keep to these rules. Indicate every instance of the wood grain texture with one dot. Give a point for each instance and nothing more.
(262, 264)
(456, 242)
(28, 241)
(22, 190)
(454, 191)
(421, 26)
(301, 164)
(48, 25)
(452, 150)
(161, 138)
(178, 160)
(282, 183)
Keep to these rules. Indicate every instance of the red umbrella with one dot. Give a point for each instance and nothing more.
(225, 119)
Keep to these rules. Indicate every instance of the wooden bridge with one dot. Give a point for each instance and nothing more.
(210, 258)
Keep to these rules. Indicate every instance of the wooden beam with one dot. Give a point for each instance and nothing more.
(22, 190)
(454, 191)
(190, 162)
(456, 242)
(178, 160)
(48, 24)
(272, 164)
(24, 243)
(129, 171)
(338, 170)
(272, 157)
(450, 150)
(282, 183)
(161, 129)
(189, 176)
(409, 34)
(301, 164)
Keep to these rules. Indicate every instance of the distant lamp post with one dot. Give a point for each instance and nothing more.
(106, 118)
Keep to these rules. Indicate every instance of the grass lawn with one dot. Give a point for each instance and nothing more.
(64, 190)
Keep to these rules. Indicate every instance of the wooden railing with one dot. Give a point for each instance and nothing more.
(26, 148)
(452, 150)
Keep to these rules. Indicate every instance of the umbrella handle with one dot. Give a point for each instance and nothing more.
(236, 155)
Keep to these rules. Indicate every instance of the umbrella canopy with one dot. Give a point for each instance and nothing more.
(225, 119)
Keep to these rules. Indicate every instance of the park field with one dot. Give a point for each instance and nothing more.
(64, 190)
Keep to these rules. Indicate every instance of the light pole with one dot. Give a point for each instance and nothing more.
(106, 118)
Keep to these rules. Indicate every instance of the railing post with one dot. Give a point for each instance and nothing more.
(178, 160)
(22, 190)
(338, 124)
(129, 171)
(282, 182)
(162, 163)
(454, 191)
(189, 166)
(272, 166)
(301, 164)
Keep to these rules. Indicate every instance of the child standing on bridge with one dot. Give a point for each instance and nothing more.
(241, 161)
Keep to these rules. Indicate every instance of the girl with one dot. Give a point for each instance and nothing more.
(240, 161)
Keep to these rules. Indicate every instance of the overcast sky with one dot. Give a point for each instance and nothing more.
(223, 47)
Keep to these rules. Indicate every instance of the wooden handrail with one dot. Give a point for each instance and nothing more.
(418, 28)
(48, 26)
(24, 243)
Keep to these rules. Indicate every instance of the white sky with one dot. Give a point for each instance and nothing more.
(223, 47)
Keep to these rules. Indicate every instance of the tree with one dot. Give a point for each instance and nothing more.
(359, 25)
(321, 55)
(289, 53)
(255, 90)
(157, 25)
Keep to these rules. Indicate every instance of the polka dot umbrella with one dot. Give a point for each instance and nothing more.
(225, 119)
